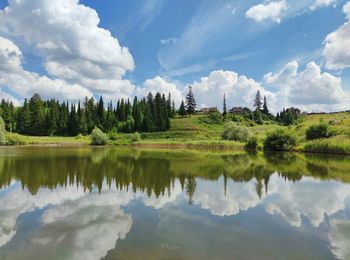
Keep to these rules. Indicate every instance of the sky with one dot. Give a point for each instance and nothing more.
(295, 52)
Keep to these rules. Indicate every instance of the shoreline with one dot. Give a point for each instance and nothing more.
(214, 146)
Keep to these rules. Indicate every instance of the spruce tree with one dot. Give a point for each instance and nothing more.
(37, 115)
(23, 119)
(224, 113)
(265, 108)
(257, 101)
(182, 109)
(100, 114)
(173, 109)
(82, 123)
(190, 102)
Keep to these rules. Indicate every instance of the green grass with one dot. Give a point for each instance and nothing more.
(197, 133)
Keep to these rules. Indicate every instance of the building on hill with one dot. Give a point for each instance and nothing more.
(236, 110)
(206, 110)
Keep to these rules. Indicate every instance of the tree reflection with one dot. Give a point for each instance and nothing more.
(155, 172)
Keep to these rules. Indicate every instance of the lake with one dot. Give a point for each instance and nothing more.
(121, 203)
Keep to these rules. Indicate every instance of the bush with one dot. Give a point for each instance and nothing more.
(2, 132)
(136, 137)
(112, 135)
(98, 137)
(319, 131)
(252, 144)
(337, 145)
(234, 132)
(214, 117)
(280, 140)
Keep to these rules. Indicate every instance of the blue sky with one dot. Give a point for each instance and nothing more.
(220, 47)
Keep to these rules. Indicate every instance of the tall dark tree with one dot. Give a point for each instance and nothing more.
(136, 113)
(82, 123)
(265, 108)
(110, 118)
(23, 118)
(190, 102)
(89, 107)
(173, 109)
(258, 101)
(224, 113)
(100, 114)
(182, 109)
(37, 115)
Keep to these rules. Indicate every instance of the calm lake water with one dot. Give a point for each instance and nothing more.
(113, 203)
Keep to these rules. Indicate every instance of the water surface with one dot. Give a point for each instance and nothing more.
(113, 203)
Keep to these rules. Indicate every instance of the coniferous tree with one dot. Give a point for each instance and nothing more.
(37, 115)
(89, 107)
(265, 108)
(82, 122)
(224, 113)
(136, 113)
(168, 104)
(100, 114)
(23, 119)
(110, 118)
(190, 102)
(257, 101)
(182, 109)
(173, 109)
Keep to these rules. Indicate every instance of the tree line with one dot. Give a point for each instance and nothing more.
(51, 117)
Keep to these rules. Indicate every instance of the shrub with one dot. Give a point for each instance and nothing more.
(98, 137)
(2, 132)
(319, 131)
(234, 132)
(214, 117)
(136, 137)
(280, 140)
(112, 135)
(252, 144)
(337, 145)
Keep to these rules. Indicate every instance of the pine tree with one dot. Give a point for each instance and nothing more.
(265, 108)
(37, 115)
(100, 114)
(224, 113)
(190, 102)
(173, 109)
(182, 109)
(73, 127)
(23, 119)
(136, 115)
(82, 123)
(257, 101)
(110, 118)
(168, 104)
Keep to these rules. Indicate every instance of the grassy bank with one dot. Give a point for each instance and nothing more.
(195, 132)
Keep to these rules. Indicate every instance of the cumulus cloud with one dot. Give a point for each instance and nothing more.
(25, 83)
(239, 197)
(289, 200)
(339, 238)
(158, 84)
(267, 11)
(239, 89)
(309, 88)
(337, 45)
(320, 3)
(73, 47)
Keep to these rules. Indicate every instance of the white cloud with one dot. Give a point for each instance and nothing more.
(239, 90)
(158, 84)
(320, 3)
(73, 47)
(272, 11)
(309, 88)
(340, 238)
(337, 45)
(168, 41)
(239, 197)
(25, 83)
(289, 199)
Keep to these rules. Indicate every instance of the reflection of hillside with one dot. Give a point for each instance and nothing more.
(155, 172)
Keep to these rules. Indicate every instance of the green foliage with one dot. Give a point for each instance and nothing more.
(98, 137)
(182, 109)
(252, 144)
(280, 140)
(234, 132)
(214, 117)
(288, 116)
(190, 102)
(15, 139)
(135, 137)
(113, 135)
(319, 131)
(334, 145)
(2, 132)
